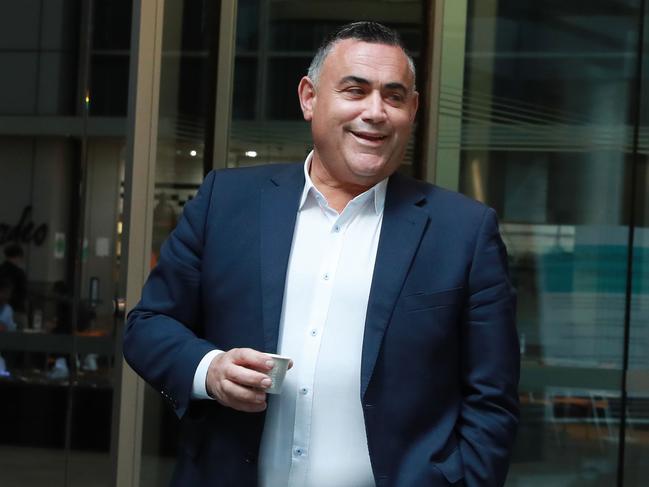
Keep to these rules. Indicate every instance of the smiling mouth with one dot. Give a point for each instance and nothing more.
(368, 136)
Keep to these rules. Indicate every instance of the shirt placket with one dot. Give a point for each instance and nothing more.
(314, 332)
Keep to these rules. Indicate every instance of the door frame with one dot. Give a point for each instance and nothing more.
(142, 134)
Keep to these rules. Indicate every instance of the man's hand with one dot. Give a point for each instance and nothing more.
(238, 379)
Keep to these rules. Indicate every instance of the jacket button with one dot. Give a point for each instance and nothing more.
(249, 459)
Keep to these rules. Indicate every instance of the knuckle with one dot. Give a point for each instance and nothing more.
(229, 370)
(226, 387)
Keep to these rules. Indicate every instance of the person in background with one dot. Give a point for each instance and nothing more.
(7, 322)
(6, 316)
(13, 270)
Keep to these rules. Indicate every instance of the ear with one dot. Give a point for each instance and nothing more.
(415, 105)
(306, 94)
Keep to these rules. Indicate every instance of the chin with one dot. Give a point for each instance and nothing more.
(380, 170)
(367, 173)
(368, 167)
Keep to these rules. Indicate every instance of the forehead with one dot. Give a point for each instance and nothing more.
(372, 61)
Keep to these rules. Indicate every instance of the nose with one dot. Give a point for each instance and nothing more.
(374, 108)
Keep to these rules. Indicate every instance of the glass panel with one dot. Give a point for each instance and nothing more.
(275, 44)
(245, 73)
(187, 83)
(637, 409)
(61, 190)
(546, 104)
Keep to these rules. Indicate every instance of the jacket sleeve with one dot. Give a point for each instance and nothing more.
(490, 363)
(161, 340)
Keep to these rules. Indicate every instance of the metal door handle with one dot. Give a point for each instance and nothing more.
(119, 307)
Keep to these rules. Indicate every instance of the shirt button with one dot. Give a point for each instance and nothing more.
(336, 228)
(304, 391)
(314, 332)
(326, 276)
(298, 452)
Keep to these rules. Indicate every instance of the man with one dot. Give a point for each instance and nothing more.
(390, 295)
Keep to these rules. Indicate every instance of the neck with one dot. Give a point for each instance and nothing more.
(337, 193)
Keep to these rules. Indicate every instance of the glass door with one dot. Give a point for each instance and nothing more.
(636, 385)
(63, 108)
(182, 130)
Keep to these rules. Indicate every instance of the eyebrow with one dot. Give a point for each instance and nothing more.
(362, 81)
(354, 79)
(397, 87)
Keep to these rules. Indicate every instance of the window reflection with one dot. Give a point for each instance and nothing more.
(275, 43)
(187, 83)
(547, 110)
(60, 193)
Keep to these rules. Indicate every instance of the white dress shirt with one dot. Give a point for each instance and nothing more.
(314, 433)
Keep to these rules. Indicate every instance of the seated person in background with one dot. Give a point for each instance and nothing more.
(6, 311)
(6, 315)
(12, 269)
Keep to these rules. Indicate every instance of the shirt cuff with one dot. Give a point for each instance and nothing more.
(199, 391)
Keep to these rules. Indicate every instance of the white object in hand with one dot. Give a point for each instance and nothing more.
(277, 373)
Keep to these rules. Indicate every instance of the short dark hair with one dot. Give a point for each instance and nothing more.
(364, 31)
(13, 250)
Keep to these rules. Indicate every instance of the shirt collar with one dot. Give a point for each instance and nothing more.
(378, 191)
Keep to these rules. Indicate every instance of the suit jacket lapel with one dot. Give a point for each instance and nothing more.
(280, 198)
(403, 225)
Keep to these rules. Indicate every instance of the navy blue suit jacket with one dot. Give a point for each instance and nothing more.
(440, 360)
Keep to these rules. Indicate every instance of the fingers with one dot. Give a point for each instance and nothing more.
(237, 379)
(243, 398)
(246, 377)
(252, 359)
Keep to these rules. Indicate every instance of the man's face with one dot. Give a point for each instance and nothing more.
(361, 111)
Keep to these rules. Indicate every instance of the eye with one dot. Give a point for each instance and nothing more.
(396, 97)
(355, 91)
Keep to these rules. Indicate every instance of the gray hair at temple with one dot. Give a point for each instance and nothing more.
(365, 31)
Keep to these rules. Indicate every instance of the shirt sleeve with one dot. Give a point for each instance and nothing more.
(199, 391)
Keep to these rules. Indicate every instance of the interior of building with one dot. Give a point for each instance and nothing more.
(112, 113)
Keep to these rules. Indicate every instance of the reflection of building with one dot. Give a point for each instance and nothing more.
(164, 221)
(529, 106)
